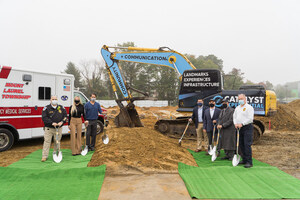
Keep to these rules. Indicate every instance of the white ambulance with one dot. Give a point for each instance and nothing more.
(24, 94)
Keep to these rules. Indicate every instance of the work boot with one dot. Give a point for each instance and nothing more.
(44, 159)
(248, 165)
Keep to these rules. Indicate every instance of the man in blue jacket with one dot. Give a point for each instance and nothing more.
(92, 108)
(197, 117)
(210, 118)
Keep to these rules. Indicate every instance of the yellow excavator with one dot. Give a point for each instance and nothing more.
(195, 83)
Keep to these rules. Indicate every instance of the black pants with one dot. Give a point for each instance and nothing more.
(246, 139)
(91, 132)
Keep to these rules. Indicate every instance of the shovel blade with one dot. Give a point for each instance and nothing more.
(85, 151)
(235, 160)
(57, 157)
(213, 151)
(214, 157)
(105, 139)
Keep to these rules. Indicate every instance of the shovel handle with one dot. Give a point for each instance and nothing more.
(237, 140)
(184, 131)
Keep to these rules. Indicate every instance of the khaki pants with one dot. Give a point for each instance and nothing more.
(76, 131)
(201, 137)
(49, 132)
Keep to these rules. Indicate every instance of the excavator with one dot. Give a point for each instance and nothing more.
(196, 84)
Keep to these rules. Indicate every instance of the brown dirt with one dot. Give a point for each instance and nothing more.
(287, 117)
(142, 149)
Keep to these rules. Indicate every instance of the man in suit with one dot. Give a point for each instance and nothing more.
(210, 118)
(228, 131)
(197, 117)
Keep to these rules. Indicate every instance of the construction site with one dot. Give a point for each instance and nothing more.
(142, 163)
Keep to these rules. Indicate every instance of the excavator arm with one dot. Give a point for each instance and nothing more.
(162, 56)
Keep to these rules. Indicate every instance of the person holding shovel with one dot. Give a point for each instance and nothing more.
(92, 108)
(228, 135)
(197, 117)
(53, 116)
(210, 118)
(243, 119)
(75, 125)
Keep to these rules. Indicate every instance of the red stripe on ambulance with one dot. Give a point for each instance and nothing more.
(5, 72)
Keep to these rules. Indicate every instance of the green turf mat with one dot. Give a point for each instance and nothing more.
(29, 178)
(33, 161)
(220, 180)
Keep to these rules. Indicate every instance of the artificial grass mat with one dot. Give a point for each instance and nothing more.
(220, 180)
(30, 178)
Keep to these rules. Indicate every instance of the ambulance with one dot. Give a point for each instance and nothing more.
(24, 94)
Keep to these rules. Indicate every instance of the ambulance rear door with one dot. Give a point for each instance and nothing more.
(43, 89)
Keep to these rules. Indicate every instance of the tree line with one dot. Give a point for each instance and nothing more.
(158, 81)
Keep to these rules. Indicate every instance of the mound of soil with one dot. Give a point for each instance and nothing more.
(286, 119)
(142, 149)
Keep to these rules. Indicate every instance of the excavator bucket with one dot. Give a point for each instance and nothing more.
(128, 117)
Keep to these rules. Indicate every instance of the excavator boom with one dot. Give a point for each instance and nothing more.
(162, 56)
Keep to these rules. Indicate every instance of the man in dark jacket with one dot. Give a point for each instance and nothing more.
(210, 118)
(228, 135)
(53, 116)
(197, 117)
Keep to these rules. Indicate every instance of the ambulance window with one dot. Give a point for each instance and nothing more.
(83, 99)
(44, 93)
(67, 81)
(27, 77)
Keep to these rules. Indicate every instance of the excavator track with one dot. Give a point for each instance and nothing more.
(174, 128)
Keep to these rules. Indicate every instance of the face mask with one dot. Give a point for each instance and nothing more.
(54, 102)
(241, 102)
(199, 104)
(93, 99)
(211, 105)
(77, 102)
(224, 106)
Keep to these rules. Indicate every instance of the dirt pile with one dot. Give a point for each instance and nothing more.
(287, 117)
(142, 149)
(295, 107)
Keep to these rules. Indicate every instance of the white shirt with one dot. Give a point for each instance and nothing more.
(212, 111)
(200, 109)
(243, 115)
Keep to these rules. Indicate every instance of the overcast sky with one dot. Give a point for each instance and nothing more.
(262, 38)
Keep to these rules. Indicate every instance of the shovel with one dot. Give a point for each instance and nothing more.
(105, 138)
(179, 143)
(57, 156)
(236, 158)
(210, 152)
(214, 156)
(86, 149)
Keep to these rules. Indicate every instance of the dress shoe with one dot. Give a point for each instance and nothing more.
(248, 165)
(242, 163)
(92, 149)
(225, 158)
(44, 159)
